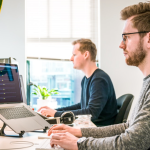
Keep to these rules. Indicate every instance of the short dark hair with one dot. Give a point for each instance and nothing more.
(87, 45)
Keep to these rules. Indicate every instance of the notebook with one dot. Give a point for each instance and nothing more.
(13, 111)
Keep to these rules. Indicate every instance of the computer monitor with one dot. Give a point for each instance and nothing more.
(10, 88)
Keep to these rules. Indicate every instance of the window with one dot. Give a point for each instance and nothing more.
(51, 26)
(54, 74)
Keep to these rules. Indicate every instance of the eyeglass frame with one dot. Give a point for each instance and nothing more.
(132, 33)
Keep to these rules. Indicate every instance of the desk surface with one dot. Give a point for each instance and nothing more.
(5, 142)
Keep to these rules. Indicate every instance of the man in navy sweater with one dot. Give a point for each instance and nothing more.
(98, 96)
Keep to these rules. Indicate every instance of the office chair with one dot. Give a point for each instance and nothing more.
(124, 103)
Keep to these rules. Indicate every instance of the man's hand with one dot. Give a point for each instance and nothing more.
(65, 140)
(61, 128)
(46, 111)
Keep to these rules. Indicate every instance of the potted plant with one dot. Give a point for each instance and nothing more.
(44, 95)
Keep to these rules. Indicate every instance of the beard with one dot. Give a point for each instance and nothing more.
(136, 57)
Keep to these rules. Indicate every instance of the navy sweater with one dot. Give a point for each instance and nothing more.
(97, 98)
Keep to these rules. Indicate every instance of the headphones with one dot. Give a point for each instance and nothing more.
(67, 117)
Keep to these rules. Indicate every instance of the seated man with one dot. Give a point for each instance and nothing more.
(135, 134)
(98, 96)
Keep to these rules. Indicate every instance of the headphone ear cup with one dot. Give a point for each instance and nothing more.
(67, 117)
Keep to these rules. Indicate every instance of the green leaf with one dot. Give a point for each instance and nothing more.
(35, 93)
(36, 90)
(43, 91)
(44, 88)
(35, 85)
(53, 91)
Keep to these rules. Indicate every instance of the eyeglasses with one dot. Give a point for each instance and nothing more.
(124, 37)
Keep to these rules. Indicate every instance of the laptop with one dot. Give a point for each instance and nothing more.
(13, 111)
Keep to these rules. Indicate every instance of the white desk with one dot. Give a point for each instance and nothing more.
(30, 136)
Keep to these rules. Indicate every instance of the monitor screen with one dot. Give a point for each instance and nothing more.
(10, 89)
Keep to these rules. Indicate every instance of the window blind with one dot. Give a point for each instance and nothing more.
(52, 25)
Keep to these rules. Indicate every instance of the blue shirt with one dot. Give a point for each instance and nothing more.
(97, 98)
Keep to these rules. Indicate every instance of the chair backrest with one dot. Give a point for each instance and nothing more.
(124, 103)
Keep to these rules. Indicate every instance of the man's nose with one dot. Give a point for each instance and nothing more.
(71, 59)
(122, 45)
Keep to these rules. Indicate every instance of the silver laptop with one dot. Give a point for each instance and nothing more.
(13, 112)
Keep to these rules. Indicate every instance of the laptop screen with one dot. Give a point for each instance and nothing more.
(10, 89)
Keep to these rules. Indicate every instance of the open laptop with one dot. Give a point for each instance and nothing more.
(13, 112)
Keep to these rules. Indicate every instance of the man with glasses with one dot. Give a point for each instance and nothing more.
(135, 134)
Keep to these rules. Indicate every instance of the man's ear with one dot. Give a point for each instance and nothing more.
(86, 54)
(148, 36)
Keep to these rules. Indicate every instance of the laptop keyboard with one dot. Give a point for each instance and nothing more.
(45, 145)
(15, 113)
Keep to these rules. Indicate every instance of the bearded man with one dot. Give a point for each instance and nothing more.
(135, 134)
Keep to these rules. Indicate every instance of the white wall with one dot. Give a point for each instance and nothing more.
(126, 79)
(12, 32)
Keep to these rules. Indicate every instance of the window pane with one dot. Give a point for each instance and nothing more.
(59, 18)
(51, 26)
(59, 50)
(56, 74)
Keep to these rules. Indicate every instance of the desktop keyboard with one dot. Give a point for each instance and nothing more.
(45, 145)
